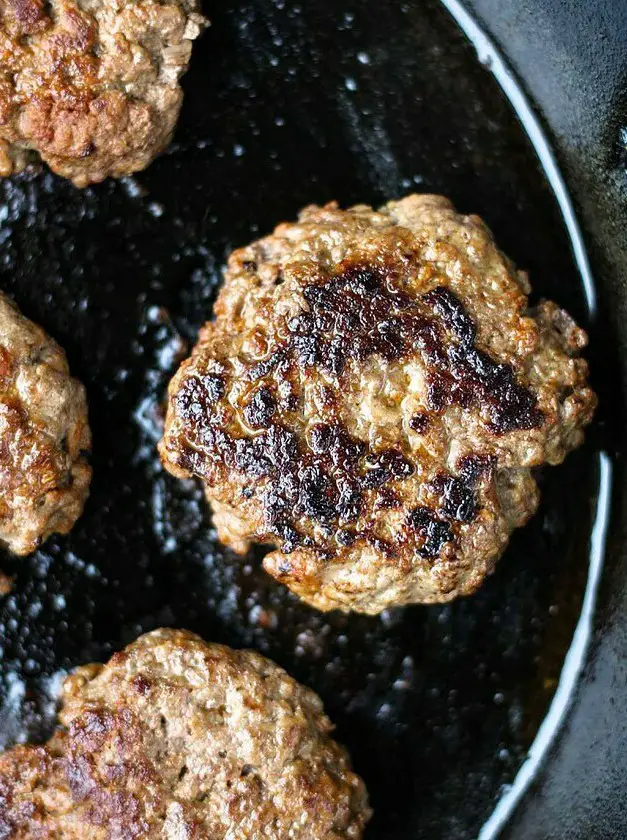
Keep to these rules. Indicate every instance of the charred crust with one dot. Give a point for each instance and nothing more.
(419, 422)
(387, 326)
(456, 498)
(362, 312)
(260, 408)
(345, 538)
(472, 468)
(357, 313)
(197, 395)
(384, 547)
(452, 314)
(470, 376)
(322, 479)
(385, 466)
(457, 502)
(387, 499)
(432, 532)
(266, 366)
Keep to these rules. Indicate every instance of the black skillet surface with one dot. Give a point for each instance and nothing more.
(286, 105)
(571, 55)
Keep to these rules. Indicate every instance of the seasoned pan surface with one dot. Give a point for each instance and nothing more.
(285, 105)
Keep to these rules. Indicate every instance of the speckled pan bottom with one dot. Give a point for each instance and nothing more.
(286, 105)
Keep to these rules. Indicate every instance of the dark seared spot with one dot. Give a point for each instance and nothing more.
(320, 438)
(291, 539)
(471, 376)
(194, 462)
(386, 499)
(266, 366)
(394, 462)
(345, 538)
(301, 485)
(473, 467)
(320, 481)
(382, 546)
(288, 399)
(452, 313)
(457, 499)
(305, 350)
(270, 453)
(457, 495)
(260, 409)
(433, 532)
(328, 398)
(510, 406)
(356, 314)
(374, 478)
(360, 312)
(438, 390)
(196, 396)
(419, 422)
(317, 494)
(384, 467)
(214, 387)
(349, 504)
(339, 447)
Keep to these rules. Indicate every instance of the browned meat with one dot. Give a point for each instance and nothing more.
(91, 85)
(371, 398)
(176, 738)
(44, 436)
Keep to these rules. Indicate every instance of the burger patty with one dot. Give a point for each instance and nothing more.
(372, 398)
(91, 86)
(44, 436)
(175, 738)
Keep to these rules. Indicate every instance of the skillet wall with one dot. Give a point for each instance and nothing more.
(572, 60)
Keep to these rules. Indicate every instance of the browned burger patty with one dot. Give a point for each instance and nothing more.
(44, 436)
(91, 86)
(371, 398)
(177, 739)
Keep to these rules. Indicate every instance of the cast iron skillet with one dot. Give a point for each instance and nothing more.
(288, 104)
